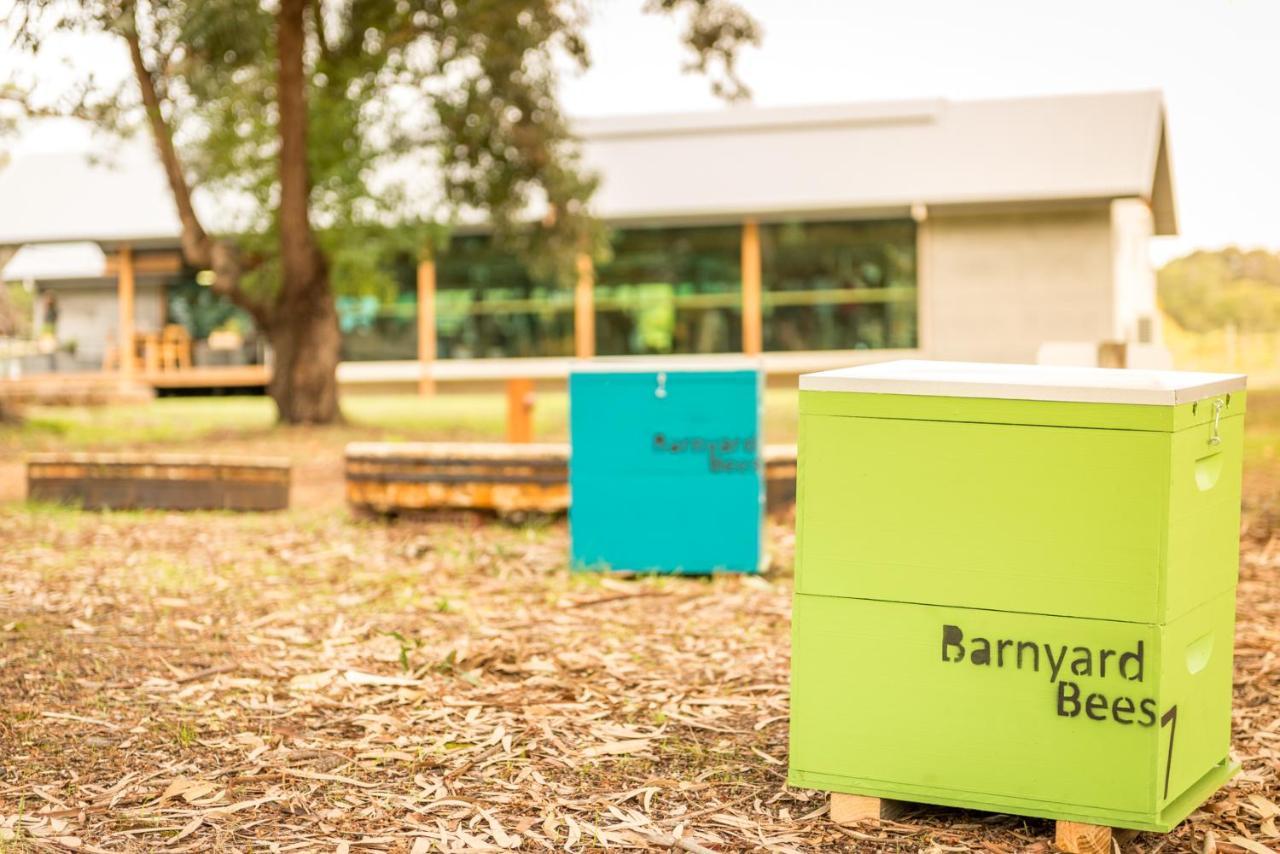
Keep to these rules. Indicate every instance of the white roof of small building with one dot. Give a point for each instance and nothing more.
(1024, 382)
(55, 261)
(839, 160)
(68, 197)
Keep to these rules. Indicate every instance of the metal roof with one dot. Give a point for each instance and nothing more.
(884, 157)
(837, 160)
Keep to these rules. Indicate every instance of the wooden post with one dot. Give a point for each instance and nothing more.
(124, 302)
(426, 325)
(520, 410)
(151, 353)
(584, 309)
(924, 289)
(752, 307)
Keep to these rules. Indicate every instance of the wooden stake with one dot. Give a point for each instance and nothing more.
(584, 309)
(124, 301)
(851, 809)
(1076, 837)
(426, 325)
(752, 318)
(520, 410)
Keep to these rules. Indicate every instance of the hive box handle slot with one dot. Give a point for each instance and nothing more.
(1198, 653)
(1208, 470)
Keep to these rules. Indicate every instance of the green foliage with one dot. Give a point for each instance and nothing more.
(419, 111)
(1205, 291)
(199, 309)
(16, 310)
(407, 648)
(185, 734)
(409, 114)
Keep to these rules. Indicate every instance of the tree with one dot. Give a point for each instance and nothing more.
(299, 116)
(12, 321)
(1210, 290)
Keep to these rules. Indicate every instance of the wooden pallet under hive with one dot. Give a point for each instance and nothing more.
(1071, 837)
(159, 481)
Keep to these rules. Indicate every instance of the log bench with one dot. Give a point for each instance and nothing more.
(509, 479)
(159, 481)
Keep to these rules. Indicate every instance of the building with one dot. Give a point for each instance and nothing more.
(974, 230)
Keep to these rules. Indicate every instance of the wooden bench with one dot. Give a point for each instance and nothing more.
(159, 481)
(507, 479)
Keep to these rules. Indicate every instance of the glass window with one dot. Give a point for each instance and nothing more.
(839, 285)
(219, 332)
(375, 329)
(488, 306)
(670, 290)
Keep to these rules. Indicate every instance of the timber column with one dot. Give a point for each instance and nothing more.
(426, 324)
(124, 302)
(752, 308)
(584, 309)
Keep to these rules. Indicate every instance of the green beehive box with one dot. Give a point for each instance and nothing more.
(1015, 587)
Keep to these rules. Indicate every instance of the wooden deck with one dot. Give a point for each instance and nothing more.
(556, 370)
(230, 376)
(104, 386)
(458, 373)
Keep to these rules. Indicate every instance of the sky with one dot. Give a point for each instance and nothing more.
(1215, 61)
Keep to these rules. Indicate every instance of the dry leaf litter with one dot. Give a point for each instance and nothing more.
(311, 682)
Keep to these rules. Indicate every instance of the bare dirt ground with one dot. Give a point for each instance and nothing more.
(307, 681)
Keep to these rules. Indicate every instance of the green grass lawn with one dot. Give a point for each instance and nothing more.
(184, 421)
(190, 420)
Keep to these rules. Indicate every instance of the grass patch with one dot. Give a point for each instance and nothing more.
(247, 424)
(250, 421)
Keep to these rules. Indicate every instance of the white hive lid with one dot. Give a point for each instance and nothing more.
(664, 364)
(1025, 382)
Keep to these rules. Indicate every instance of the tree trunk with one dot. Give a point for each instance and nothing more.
(304, 342)
(304, 321)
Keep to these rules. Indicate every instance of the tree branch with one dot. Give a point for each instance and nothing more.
(317, 20)
(302, 263)
(197, 247)
(228, 270)
(715, 32)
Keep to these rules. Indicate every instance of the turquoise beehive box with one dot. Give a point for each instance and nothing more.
(665, 471)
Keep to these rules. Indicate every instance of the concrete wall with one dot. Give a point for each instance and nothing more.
(1137, 315)
(994, 287)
